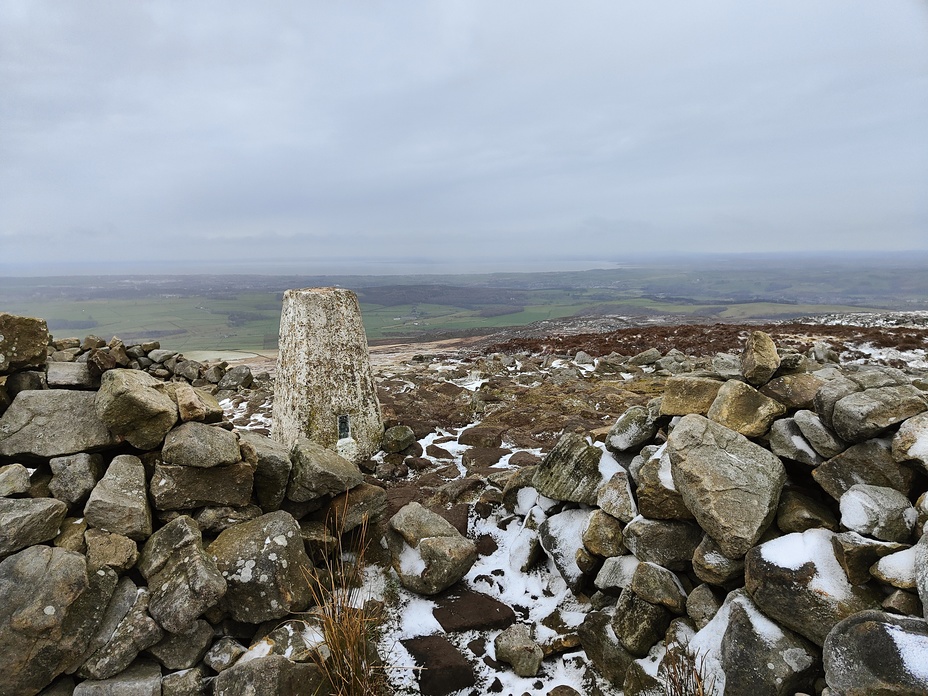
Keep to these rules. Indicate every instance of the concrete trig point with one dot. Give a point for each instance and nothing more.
(325, 388)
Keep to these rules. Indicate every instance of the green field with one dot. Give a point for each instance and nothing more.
(213, 312)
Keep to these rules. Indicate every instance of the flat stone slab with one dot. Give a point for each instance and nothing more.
(465, 610)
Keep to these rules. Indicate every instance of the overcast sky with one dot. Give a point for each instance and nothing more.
(193, 132)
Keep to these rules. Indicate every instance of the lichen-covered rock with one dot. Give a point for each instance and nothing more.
(273, 675)
(14, 480)
(603, 647)
(184, 650)
(52, 423)
(602, 535)
(106, 549)
(361, 505)
(265, 566)
(856, 554)
(133, 405)
(740, 407)
(185, 581)
(658, 497)
(23, 341)
(28, 521)
(798, 512)
(571, 471)
(708, 463)
(318, 472)
(141, 679)
(759, 359)
(200, 445)
(873, 652)
(794, 391)
(398, 438)
(516, 647)
(50, 607)
(119, 503)
(712, 566)
(633, 429)
(658, 585)
(863, 415)
(797, 581)
(428, 553)
(639, 624)
(615, 497)
(921, 571)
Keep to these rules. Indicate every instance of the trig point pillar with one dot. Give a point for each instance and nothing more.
(325, 388)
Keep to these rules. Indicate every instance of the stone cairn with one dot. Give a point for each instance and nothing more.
(762, 519)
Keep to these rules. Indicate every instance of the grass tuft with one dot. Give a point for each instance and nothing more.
(684, 674)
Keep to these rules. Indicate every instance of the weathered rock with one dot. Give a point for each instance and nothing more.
(224, 653)
(658, 497)
(863, 415)
(822, 439)
(461, 609)
(185, 487)
(133, 405)
(684, 395)
(265, 566)
(616, 499)
(658, 585)
(603, 647)
(702, 604)
(561, 537)
(134, 633)
(795, 391)
(14, 480)
(616, 573)
(746, 652)
(71, 535)
(71, 375)
(873, 652)
(428, 553)
(797, 581)
(878, 511)
(22, 342)
(516, 647)
(798, 512)
(910, 443)
(189, 682)
(857, 554)
(216, 519)
(118, 503)
(325, 387)
(570, 471)
(829, 394)
(759, 359)
(49, 603)
(189, 370)
(52, 423)
(745, 410)
(27, 521)
(273, 469)
(74, 476)
(361, 505)
(896, 569)
(239, 377)
(708, 462)
(190, 405)
(712, 566)
(902, 602)
(603, 535)
(869, 462)
(200, 445)
(141, 679)
(318, 472)
(184, 650)
(633, 429)
(185, 581)
(639, 624)
(921, 571)
(645, 357)
(397, 438)
(106, 549)
(786, 440)
(668, 543)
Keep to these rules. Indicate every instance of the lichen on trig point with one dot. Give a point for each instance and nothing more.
(325, 387)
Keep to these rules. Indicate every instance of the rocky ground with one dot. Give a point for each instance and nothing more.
(559, 514)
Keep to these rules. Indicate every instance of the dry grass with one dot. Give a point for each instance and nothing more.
(348, 621)
(685, 675)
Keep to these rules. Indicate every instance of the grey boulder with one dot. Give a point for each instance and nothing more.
(135, 407)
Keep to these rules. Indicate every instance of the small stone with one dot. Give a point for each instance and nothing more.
(516, 647)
